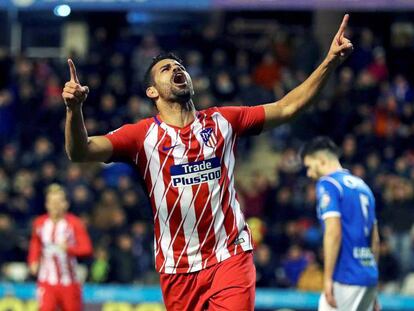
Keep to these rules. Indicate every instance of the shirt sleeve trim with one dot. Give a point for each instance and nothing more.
(331, 214)
(335, 183)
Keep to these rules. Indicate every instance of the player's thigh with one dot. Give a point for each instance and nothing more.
(46, 297)
(353, 298)
(368, 299)
(233, 286)
(323, 304)
(71, 298)
(234, 298)
(183, 292)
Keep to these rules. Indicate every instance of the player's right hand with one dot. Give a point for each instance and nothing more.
(34, 268)
(74, 94)
(329, 293)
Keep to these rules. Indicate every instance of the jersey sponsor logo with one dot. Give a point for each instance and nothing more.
(364, 255)
(209, 138)
(194, 173)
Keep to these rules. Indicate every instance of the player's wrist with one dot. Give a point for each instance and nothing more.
(331, 60)
(327, 279)
(74, 108)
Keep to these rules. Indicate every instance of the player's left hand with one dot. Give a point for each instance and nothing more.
(329, 294)
(341, 47)
(63, 246)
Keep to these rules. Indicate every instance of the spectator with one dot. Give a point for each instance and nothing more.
(123, 262)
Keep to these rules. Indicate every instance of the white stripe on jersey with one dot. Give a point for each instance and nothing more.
(150, 144)
(160, 175)
(188, 217)
(148, 132)
(213, 196)
(61, 237)
(219, 227)
(56, 266)
(229, 161)
(180, 192)
(154, 147)
(47, 258)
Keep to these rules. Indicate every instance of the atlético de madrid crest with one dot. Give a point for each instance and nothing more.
(209, 138)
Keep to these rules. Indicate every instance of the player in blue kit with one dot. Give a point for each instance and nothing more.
(346, 209)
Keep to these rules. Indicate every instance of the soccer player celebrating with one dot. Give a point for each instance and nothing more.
(346, 207)
(58, 238)
(186, 159)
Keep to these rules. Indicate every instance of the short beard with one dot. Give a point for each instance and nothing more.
(181, 95)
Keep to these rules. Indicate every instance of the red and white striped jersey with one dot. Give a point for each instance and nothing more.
(189, 176)
(56, 266)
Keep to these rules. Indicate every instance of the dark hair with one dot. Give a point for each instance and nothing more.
(320, 143)
(148, 79)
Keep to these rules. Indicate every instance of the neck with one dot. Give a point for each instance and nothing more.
(56, 218)
(332, 167)
(177, 114)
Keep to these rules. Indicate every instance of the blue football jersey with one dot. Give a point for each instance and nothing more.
(343, 195)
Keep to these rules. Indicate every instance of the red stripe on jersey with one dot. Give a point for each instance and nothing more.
(190, 234)
(55, 259)
(230, 219)
(71, 270)
(209, 241)
(69, 263)
(172, 196)
(199, 199)
(225, 187)
(160, 257)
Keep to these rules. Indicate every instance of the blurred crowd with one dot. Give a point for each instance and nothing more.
(367, 108)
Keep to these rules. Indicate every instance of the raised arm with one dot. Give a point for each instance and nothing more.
(306, 93)
(79, 147)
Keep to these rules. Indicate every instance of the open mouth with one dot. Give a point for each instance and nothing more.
(179, 78)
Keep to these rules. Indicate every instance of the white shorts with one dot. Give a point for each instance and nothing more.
(350, 298)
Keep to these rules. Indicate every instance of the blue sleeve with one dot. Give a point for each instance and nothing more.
(328, 198)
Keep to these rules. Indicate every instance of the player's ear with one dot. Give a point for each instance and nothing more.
(152, 92)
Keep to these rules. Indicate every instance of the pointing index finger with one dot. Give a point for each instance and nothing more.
(342, 28)
(72, 69)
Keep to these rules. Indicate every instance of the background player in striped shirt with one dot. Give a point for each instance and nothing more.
(186, 158)
(346, 209)
(58, 238)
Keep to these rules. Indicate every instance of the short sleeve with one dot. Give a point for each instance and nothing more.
(244, 120)
(328, 198)
(125, 143)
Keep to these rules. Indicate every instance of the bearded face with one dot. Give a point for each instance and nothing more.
(172, 81)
